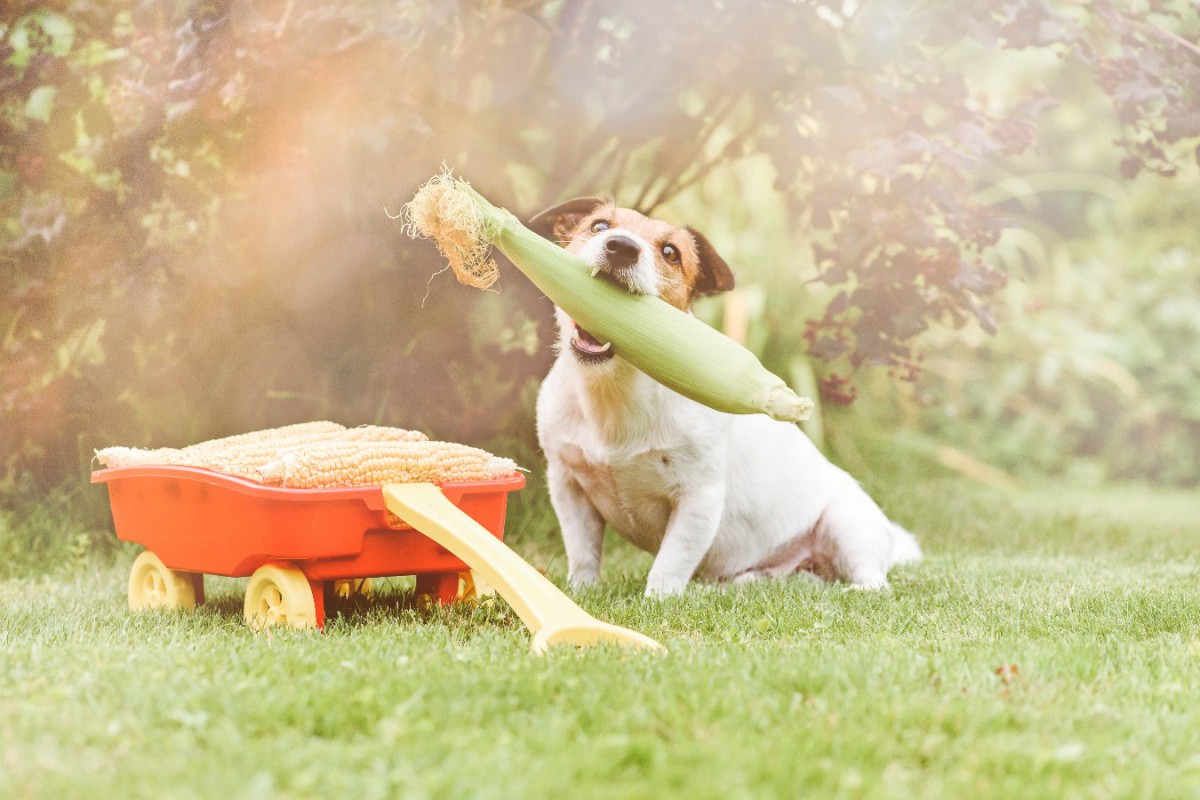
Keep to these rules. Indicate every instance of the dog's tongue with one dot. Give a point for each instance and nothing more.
(585, 341)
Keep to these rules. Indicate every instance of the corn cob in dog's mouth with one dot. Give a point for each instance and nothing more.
(671, 346)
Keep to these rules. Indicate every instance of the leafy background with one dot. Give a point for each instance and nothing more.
(968, 226)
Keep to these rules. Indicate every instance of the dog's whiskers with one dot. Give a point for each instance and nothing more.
(673, 282)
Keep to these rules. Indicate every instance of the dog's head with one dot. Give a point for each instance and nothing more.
(639, 253)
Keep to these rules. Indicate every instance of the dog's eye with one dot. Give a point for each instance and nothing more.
(670, 254)
(599, 226)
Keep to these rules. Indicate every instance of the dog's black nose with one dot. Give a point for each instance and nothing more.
(621, 251)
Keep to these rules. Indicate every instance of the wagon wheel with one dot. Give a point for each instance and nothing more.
(348, 593)
(152, 584)
(279, 595)
(473, 587)
(352, 588)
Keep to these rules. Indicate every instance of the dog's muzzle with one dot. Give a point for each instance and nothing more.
(617, 261)
(615, 258)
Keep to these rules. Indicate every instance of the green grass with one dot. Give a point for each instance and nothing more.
(786, 689)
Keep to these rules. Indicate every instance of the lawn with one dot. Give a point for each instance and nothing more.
(1049, 646)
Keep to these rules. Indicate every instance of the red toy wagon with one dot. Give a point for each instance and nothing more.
(291, 542)
(294, 542)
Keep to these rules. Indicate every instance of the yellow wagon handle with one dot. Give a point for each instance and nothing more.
(551, 616)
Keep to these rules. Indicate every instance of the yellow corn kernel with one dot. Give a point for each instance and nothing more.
(330, 464)
(380, 433)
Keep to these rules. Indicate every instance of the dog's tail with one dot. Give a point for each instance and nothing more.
(905, 549)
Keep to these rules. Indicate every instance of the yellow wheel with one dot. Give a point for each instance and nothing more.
(152, 584)
(352, 587)
(279, 595)
(473, 587)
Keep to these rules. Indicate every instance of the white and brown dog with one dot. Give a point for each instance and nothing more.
(718, 496)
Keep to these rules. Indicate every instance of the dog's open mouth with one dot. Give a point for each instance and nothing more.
(588, 348)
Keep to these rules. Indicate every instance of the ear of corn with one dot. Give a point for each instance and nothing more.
(239, 455)
(243, 454)
(335, 463)
(380, 433)
(114, 457)
(669, 345)
(325, 454)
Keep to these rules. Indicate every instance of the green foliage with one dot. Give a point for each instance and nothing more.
(1094, 375)
(152, 299)
(54, 533)
(192, 195)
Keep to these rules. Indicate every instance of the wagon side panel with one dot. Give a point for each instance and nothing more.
(397, 549)
(200, 526)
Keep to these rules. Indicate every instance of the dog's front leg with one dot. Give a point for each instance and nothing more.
(690, 533)
(581, 524)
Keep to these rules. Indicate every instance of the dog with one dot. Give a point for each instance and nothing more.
(717, 497)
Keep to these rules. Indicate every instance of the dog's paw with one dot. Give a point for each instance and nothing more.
(749, 576)
(869, 583)
(658, 590)
(582, 580)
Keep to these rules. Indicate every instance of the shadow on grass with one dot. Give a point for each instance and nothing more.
(392, 601)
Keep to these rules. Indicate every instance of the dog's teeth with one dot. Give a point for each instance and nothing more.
(604, 349)
(596, 270)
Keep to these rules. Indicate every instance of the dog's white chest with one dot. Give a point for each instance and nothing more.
(635, 493)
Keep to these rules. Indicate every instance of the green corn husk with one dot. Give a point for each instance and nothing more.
(676, 349)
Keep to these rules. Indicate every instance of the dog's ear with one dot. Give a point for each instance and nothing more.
(715, 275)
(557, 222)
